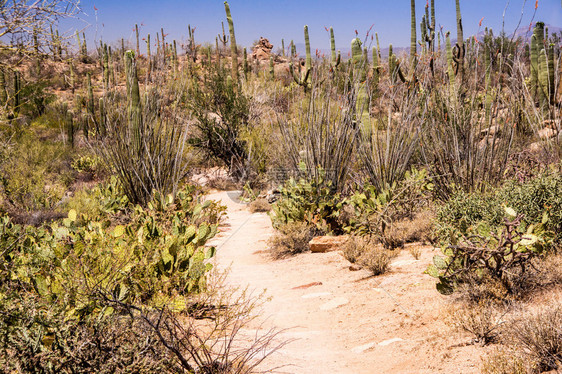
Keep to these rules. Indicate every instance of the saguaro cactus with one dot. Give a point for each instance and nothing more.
(283, 47)
(233, 47)
(137, 37)
(335, 58)
(413, 37)
(304, 79)
(458, 55)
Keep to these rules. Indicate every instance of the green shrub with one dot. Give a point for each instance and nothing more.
(77, 289)
(532, 198)
(485, 251)
(310, 201)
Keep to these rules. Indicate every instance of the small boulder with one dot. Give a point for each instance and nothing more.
(322, 244)
(546, 133)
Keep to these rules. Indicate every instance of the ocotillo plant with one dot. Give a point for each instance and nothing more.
(3, 90)
(133, 99)
(69, 124)
(233, 47)
(17, 92)
(246, 66)
(90, 103)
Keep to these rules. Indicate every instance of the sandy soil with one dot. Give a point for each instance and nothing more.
(347, 321)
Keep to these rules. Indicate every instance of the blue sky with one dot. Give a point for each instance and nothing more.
(274, 20)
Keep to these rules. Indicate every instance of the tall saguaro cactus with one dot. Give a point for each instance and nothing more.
(137, 36)
(304, 78)
(233, 47)
(459, 52)
(413, 37)
(335, 58)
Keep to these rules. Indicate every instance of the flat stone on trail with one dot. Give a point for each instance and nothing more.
(364, 347)
(315, 295)
(390, 341)
(335, 303)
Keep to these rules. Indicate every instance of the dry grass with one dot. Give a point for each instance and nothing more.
(504, 361)
(418, 229)
(259, 206)
(482, 320)
(354, 248)
(539, 336)
(290, 239)
(369, 255)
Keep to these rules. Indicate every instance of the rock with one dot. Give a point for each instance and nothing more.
(322, 244)
(364, 347)
(390, 341)
(315, 295)
(304, 286)
(335, 303)
(262, 50)
(546, 133)
(355, 267)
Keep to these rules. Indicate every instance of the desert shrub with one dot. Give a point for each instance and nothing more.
(354, 248)
(221, 111)
(292, 238)
(87, 164)
(313, 202)
(482, 320)
(377, 260)
(504, 361)
(146, 154)
(67, 285)
(34, 173)
(486, 251)
(532, 198)
(320, 141)
(259, 206)
(539, 336)
(378, 213)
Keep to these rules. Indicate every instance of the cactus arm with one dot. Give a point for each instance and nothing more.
(233, 47)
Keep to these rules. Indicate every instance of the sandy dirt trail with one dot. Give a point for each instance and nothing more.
(348, 322)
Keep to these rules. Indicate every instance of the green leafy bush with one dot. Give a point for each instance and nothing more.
(65, 281)
(532, 198)
(485, 251)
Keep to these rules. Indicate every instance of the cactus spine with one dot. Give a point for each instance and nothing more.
(233, 47)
